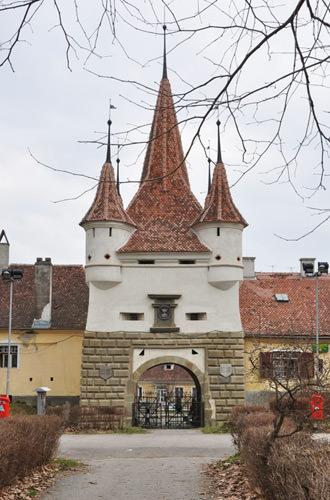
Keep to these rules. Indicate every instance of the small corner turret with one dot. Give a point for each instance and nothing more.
(220, 227)
(107, 227)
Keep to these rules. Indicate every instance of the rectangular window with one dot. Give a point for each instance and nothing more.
(187, 262)
(218, 231)
(169, 367)
(195, 316)
(146, 261)
(110, 231)
(286, 365)
(132, 316)
(179, 392)
(161, 395)
(4, 356)
(139, 391)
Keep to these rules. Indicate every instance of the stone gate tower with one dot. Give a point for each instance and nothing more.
(163, 278)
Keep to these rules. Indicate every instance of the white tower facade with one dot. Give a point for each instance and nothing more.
(164, 277)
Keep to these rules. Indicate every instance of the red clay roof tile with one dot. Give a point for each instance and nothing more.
(219, 205)
(158, 373)
(107, 204)
(164, 207)
(262, 315)
(69, 299)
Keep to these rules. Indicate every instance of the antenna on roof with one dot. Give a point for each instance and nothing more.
(219, 158)
(164, 57)
(209, 169)
(108, 157)
(118, 161)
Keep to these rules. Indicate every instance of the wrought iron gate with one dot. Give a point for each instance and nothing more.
(172, 413)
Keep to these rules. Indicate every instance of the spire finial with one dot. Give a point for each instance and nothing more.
(118, 161)
(219, 158)
(164, 58)
(108, 157)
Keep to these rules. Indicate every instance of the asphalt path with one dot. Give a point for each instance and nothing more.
(159, 465)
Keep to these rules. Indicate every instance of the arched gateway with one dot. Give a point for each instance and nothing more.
(168, 394)
(163, 278)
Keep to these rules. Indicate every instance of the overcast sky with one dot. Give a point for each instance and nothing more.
(47, 109)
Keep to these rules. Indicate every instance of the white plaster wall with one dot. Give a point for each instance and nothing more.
(191, 282)
(100, 244)
(228, 245)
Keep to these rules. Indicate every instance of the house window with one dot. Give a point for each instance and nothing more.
(286, 365)
(281, 297)
(195, 316)
(161, 395)
(4, 356)
(168, 367)
(187, 261)
(178, 392)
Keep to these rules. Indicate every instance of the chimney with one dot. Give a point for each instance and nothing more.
(43, 271)
(305, 260)
(248, 268)
(4, 250)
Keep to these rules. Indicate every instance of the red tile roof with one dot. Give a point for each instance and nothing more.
(219, 205)
(262, 315)
(69, 299)
(164, 207)
(158, 373)
(107, 204)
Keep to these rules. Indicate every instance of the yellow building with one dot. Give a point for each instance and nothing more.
(278, 313)
(49, 310)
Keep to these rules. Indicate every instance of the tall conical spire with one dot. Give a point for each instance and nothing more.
(219, 205)
(108, 157)
(164, 207)
(164, 56)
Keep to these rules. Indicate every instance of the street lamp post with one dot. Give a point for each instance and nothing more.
(10, 275)
(322, 268)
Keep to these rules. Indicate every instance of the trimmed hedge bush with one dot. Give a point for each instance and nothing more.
(27, 442)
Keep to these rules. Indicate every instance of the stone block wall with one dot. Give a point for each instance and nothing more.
(115, 350)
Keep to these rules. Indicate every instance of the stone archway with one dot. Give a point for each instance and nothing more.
(200, 401)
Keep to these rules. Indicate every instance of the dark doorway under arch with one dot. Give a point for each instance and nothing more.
(168, 395)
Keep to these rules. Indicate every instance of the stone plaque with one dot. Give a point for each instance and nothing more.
(105, 372)
(226, 370)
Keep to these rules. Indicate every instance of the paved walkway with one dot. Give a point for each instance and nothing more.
(160, 465)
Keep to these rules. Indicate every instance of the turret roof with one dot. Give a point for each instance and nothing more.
(164, 206)
(219, 205)
(107, 204)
